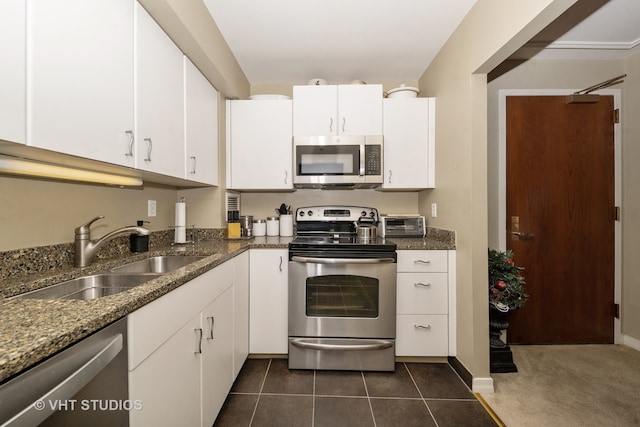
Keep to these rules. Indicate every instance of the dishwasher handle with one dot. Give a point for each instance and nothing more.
(38, 411)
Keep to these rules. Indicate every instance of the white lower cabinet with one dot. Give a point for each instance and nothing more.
(217, 355)
(181, 351)
(268, 305)
(240, 311)
(425, 297)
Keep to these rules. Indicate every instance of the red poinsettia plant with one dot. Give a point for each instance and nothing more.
(506, 283)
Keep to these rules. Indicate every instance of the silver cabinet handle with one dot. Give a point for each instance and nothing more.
(390, 173)
(368, 345)
(280, 267)
(428, 327)
(330, 124)
(421, 261)
(198, 349)
(149, 148)
(130, 133)
(422, 285)
(36, 412)
(344, 121)
(286, 176)
(211, 325)
(341, 260)
(193, 164)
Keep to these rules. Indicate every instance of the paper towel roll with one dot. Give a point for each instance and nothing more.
(181, 222)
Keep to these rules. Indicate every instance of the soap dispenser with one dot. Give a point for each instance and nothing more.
(139, 243)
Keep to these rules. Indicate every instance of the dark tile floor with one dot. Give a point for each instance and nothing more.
(267, 393)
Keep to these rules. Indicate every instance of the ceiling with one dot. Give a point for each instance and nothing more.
(293, 41)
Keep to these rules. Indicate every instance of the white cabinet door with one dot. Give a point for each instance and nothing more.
(201, 126)
(240, 311)
(360, 109)
(159, 100)
(167, 382)
(81, 78)
(315, 110)
(337, 110)
(268, 304)
(13, 89)
(409, 143)
(217, 355)
(259, 145)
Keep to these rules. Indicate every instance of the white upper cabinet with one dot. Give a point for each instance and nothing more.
(201, 127)
(409, 143)
(160, 141)
(337, 110)
(80, 61)
(13, 23)
(259, 145)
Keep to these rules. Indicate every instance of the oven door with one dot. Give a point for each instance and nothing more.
(342, 313)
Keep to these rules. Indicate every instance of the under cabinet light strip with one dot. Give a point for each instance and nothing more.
(15, 166)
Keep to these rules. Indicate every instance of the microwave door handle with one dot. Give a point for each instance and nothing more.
(362, 159)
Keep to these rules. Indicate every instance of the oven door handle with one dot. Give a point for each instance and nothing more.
(315, 260)
(371, 345)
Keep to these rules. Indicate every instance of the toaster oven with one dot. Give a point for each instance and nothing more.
(403, 225)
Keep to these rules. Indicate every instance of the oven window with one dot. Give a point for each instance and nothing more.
(342, 296)
(328, 160)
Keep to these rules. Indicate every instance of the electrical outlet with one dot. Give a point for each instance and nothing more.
(434, 210)
(151, 208)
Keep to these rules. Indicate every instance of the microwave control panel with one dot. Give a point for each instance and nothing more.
(373, 159)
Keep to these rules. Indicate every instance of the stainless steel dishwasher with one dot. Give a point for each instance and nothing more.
(85, 384)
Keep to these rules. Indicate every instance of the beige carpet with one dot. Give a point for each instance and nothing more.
(569, 385)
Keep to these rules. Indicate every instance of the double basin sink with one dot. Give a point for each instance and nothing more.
(117, 279)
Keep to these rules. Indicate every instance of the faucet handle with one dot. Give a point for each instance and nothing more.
(86, 228)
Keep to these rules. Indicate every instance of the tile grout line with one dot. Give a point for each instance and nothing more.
(264, 380)
(420, 393)
(366, 390)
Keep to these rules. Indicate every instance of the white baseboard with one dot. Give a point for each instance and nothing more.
(483, 385)
(631, 342)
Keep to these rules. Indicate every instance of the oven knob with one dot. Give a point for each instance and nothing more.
(371, 214)
(363, 213)
(310, 213)
(301, 213)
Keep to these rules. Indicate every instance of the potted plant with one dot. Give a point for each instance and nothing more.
(506, 292)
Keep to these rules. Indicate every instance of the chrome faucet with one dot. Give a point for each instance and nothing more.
(85, 249)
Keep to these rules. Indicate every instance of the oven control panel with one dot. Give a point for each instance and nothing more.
(336, 213)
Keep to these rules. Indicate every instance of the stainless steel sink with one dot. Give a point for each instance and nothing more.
(90, 287)
(158, 264)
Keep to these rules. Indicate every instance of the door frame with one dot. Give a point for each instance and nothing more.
(502, 179)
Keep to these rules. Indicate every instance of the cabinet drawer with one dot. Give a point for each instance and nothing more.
(422, 293)
(422, 335)
(422, 261)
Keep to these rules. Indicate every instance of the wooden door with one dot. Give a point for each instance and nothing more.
(560, 193)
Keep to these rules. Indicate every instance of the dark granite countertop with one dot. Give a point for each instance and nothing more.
(32, 329)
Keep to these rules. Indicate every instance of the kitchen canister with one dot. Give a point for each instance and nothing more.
(273, 226)
(259, 227)
(286, 225)
(246, 225)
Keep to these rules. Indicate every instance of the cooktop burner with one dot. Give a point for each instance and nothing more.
(330, 231)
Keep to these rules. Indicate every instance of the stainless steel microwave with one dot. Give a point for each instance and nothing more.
(338, 161)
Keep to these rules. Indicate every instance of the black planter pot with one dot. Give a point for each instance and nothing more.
(501, 358)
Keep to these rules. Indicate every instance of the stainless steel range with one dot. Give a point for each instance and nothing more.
(342, 292)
